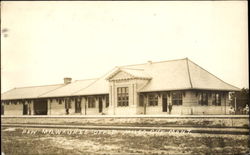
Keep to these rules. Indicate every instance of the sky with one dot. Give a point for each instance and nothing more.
(43, 42)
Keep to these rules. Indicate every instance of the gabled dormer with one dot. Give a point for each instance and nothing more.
(128, 74)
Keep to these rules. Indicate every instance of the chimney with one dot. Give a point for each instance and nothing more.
(67, 80)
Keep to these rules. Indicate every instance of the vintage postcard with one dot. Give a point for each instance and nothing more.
(124, 77)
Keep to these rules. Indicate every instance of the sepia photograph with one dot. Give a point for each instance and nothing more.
(124, 78)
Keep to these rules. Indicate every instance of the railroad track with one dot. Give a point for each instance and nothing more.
(198, 130)
(131, 116)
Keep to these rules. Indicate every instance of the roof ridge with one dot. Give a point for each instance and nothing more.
(212, 74)
(36, 86)
(86, 79)
(154, 62)
(169, 60)
(139, 69)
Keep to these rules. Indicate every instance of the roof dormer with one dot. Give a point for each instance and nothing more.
(127, 74)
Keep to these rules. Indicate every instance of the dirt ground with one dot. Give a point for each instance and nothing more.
(20, 141)
(211, 122)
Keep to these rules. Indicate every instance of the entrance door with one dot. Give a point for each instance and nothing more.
(142, 103)
(2, 109)
(25, 109)
(100, 104)
(78, 107)
(164, 103)
(40, 107)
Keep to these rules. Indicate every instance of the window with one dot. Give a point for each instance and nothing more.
(91, 102)
(59, 101)
(122, 96)
(107, 101)
(216, 99)
(153, 100)
(177, 98)
(203, 98)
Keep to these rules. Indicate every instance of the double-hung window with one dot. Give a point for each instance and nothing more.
(122, 96)
(203, 98)
(177, 98)
(216, 99)
(152, 100)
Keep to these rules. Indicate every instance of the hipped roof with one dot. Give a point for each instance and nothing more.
(29, 92)
(182, 74)
(69, 89)
(178, 74)
(60, 90)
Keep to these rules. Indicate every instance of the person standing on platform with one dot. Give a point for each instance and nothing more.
(67, 105)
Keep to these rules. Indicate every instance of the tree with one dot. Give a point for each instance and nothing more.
(242, 99)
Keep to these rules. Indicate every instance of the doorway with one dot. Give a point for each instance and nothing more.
(25, 109)
(2, 109)
(100, 104)
(40, 107)
(78, 107)
(164, 103)
(142, 103)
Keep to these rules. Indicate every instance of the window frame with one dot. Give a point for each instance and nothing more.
(91, 104)
(152, 100)
(122, 96)
(216, 101)
(177, 98)
(203, 99)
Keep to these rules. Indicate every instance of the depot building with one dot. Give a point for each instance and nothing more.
(175, 87)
